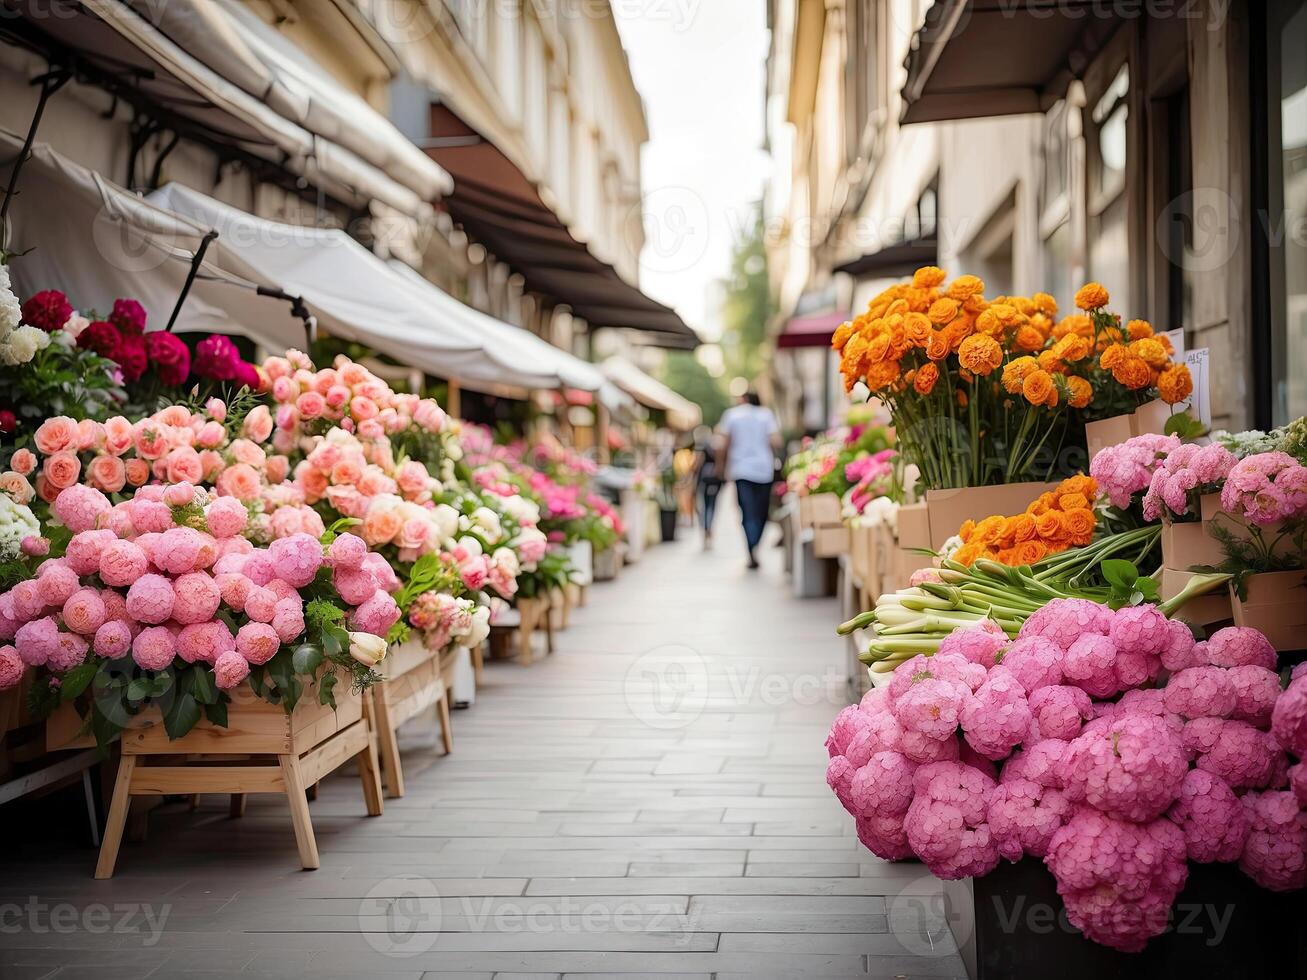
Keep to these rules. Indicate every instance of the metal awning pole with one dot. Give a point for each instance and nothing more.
(51, 82)
(297, 308)
(196, 261)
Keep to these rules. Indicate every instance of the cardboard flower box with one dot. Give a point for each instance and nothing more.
(1188, 544)
(261, 750)
(1149, 418)
(861, 543)
(819, 508)
(1206, 610)
(1276, 604)
(930, 524)
(830, 540)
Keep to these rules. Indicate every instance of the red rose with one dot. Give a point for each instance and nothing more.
(8, 421)
(247, 375)
(170, 357)
(101, 337)
(48, 310)
(128, 316)
(132, 358)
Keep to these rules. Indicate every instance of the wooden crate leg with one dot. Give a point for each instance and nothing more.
(311, 794)
(446, 729)
(388, 745)
(89, 795)
(299, 812)
(371, 777)
(237, 806)
(549, 630)
(524, 631)
(478, 662)
(194, 803)
(114, 826)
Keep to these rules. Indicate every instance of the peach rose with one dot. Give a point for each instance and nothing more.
(276, 469)
(244, 451)
(23, 461)
(216, 409)
(211, 435)
(310, 404)
(337, 396)
(178, 415)
(212, 462)
(56, 435)
(182, 465)
(258, 424)
(151, 440)
(15, 485)
(46, 490)
(90, 434)
(362, 408)
(277, 367)
(313, 483)
(374, 482)
(325, 380)
(138, 471)
(348, 501)
(380, 526)
(370, 430)
(352, 373)
(62, 470)
(118, 435)
(240, 481)
(284, 390)
(347, 471)
(414, 534)
(106, 473)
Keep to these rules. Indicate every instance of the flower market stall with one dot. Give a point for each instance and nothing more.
(1091, 662)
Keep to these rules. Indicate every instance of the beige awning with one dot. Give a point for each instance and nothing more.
(682, 413)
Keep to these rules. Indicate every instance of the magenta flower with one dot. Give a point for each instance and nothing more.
(1214, 822)
(1023, 816)
(1131, 768)
(1275, 855)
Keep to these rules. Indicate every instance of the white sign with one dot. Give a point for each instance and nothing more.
(1200, 402)
(1176, 337)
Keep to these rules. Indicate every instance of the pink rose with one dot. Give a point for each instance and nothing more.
(62, 469)
(107, 473)
(23, 461)
(56, 435)
(118, 435)
(258, 424)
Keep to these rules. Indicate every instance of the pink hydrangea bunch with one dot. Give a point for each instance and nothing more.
(1266, 488)
(1183, 476)
(158, 590)
(1127, 469)
(1108, 743)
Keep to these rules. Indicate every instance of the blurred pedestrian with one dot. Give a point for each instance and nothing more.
(708, 478)
(751, 440)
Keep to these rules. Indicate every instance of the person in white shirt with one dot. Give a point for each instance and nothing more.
(752, 439)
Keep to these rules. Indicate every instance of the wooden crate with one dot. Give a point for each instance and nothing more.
(1276, 605)
(262, 750)
(830, 540)
(534, 614)
(414, 683)
(819, 508)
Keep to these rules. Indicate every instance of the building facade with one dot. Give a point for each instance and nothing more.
(1042, 147)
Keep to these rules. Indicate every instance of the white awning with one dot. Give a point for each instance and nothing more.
(390, 308)
(238, 45)
(72, 230)
(109, 38)
(682, 413)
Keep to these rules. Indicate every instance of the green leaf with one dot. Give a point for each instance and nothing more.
(326, 690)
(182, 715)
(216, 713)
(306, 658)
(203, 688)
(77, 680)
(1119, 572)
(138, 689)
(161, 684)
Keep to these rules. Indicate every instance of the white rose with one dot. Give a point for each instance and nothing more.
(11, 311)
(480, 627)
(23, 343)
(472, 546)
(488, 520)
(445, 518)
(367, 649)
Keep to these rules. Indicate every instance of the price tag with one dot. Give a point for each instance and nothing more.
(1176, 337)
(1200, 402)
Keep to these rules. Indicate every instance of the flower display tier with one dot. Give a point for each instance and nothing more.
(261, 749)
(413, 684)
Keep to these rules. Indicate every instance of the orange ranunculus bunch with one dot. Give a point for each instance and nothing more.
(976, 386)
(1060, 519)
(1133, 363)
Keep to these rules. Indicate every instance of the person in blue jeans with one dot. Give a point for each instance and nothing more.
(751, 441)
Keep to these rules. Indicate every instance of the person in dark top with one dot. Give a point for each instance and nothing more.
(708, 479)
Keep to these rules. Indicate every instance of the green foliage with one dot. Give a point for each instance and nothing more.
(686, 375)
(1127, 587)
(1185, 426)
(553, 571)
(60, 380)
(748, 304)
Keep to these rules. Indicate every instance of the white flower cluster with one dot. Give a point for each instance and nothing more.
(18, 344)
(16, 522)
(878, 511)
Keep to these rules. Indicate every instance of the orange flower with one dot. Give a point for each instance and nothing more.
(1016, 372)
(927, 277)
(1075, 323)
(1038, 388)
(1022, 527)
(938, 348)
(980, 354)
(1079, 525)
(1029, 552)
(1113, 356)
(987, 530)
(882, 374)
(1175, 384)
(1049, 362)
(916, 329)
(1151, 352)
(1091, 296)
(965, 531)
(943, 310)
(964, 287)
(1007, 314)
(1044, 303)
(1139, 329)
(926, 377)
(1072, 501)
(987, 322)
(1079, 483)
(1134, 373)
(1072, 347)
(1028, 339)
(841, 336)
(969, 552)
(1049, 526)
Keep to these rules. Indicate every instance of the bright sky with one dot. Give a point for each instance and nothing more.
(701, 67)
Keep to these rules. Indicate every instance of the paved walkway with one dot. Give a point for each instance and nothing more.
(648, 801)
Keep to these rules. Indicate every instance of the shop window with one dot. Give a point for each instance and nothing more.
(1055, 205)
(1109, 238)
(1283, 245)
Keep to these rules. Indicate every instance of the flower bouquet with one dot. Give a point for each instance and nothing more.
(1056, 745)
(1058, 519)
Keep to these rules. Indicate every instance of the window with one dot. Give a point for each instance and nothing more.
(1106, 143)
(1283, 248)
(1055, 205)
